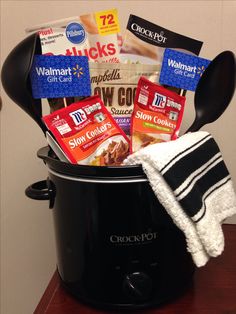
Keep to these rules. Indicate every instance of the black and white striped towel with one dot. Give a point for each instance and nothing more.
(191, 180)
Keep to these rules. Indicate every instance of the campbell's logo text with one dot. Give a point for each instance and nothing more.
(106, 76)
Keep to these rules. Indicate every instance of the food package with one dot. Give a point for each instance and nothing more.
(116, 85)
(157, 115)
(88, 134)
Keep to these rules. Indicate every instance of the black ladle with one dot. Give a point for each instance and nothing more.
(15, 77)
(215, 90)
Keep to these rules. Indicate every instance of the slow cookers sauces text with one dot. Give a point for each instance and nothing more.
(89, 135)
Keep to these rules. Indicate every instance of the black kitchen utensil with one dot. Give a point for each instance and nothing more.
(215, 90)
(15, 77)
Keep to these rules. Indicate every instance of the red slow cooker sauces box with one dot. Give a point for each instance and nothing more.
(157, 115)
(88, 134)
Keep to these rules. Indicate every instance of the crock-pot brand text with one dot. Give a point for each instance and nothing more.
(158, 37)
(129, 239)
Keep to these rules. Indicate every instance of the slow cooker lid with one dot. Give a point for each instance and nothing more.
(115, 172)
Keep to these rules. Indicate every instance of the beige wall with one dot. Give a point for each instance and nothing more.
(27, 241)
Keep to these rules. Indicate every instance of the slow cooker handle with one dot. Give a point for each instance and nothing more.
(42, 190)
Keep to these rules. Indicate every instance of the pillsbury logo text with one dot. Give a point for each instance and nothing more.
(133, 239)
(75, 33)
(158, 37)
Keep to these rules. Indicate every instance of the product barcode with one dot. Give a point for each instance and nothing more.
(143, 98)
(64, 128)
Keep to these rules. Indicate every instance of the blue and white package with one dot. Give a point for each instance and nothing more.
(60, 76)
(182, 70)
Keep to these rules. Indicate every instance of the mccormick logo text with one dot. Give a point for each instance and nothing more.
(158, 37)
(78, 116)
(159, 100)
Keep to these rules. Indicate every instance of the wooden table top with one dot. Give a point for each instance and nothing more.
(213, 290)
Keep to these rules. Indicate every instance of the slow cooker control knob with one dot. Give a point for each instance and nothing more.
(137, 286)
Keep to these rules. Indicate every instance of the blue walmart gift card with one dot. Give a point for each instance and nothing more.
(60, 76)
(182, 70)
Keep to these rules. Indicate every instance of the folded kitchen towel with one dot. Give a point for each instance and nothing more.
(191, 180)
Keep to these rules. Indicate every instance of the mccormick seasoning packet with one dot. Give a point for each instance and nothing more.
(116, 85)
(157, 115)
(88, 134)
(94, 35)
(145, 42)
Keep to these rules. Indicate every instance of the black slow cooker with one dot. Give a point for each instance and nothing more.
(116, 245)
